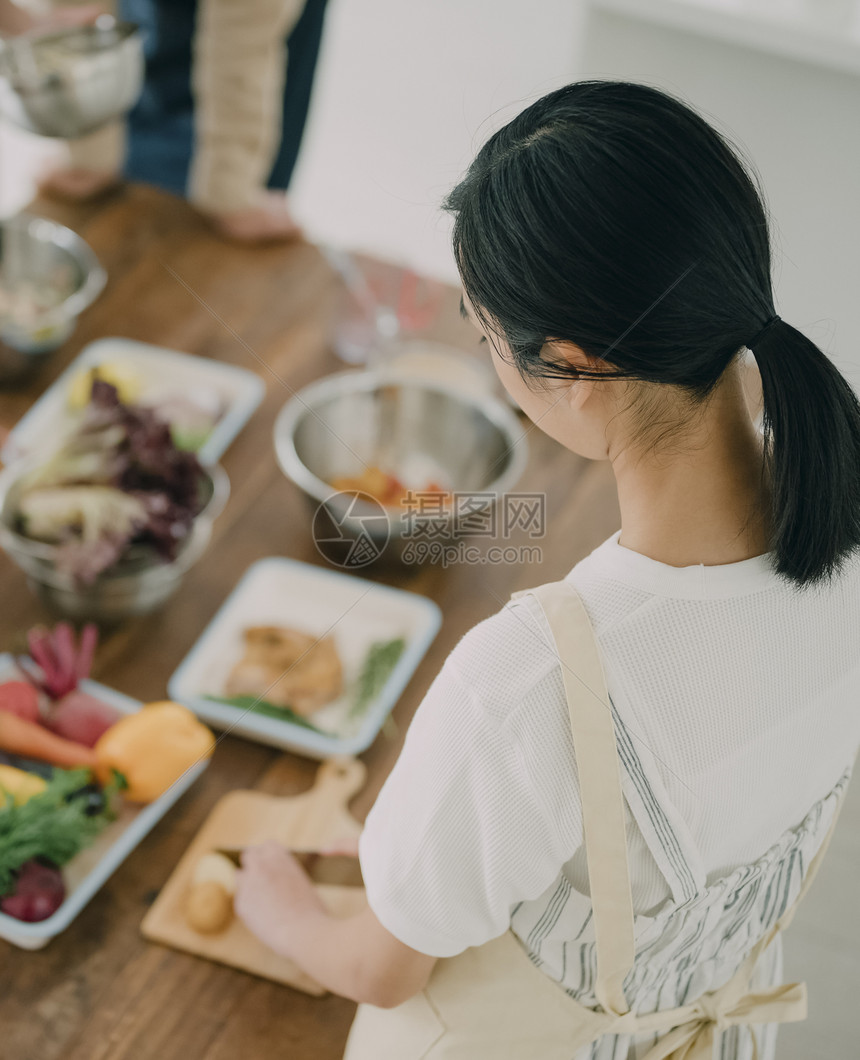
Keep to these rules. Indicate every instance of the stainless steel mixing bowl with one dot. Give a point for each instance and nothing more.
(71, 82)
(137, 585)
(418, 430)
(48, 276)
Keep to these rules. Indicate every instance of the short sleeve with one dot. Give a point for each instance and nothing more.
(463, 830)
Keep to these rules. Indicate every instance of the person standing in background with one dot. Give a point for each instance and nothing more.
(222, 113)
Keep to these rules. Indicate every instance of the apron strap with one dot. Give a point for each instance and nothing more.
(663, 829)
(814, 865)
(597, 761)
(692, 1027)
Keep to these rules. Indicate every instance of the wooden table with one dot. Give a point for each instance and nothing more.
(99, 991)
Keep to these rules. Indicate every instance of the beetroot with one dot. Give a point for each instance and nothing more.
(20, 698)
(62, 662)
(81, 718)
(57, 663)
(39, 892)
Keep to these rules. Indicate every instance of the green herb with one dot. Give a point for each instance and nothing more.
(263, 706)
(380, 660)
(53, 825)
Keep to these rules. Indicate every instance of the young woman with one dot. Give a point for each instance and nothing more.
(614, 252)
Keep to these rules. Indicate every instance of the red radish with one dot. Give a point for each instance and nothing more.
(62, 663)
(20, 698)
(82, 718)
(39, 893)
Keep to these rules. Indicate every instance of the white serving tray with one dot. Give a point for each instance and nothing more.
(241, 390)
(86, 873)
(357, 613)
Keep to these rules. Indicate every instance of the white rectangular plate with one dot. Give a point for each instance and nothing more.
(86, 873)
(357, 613)
(241, 390)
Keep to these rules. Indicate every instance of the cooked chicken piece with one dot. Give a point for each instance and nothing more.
(288, 668)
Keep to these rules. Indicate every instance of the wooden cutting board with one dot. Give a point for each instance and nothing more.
(243, 818)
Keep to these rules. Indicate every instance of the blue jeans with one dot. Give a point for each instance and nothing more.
(161, 126)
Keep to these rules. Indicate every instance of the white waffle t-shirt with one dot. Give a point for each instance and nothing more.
(745, 690)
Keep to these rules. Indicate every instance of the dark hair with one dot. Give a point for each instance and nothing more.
(611, 215)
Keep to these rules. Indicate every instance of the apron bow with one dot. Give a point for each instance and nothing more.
(693, 1039)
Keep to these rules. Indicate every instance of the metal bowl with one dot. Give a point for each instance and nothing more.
(136, 585)
(69, 83)
(419, 430)
(435, 362)
(48, 276)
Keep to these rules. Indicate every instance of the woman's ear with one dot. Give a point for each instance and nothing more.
(578, 390)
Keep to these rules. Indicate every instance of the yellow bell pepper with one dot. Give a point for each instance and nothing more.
(19, 784)
(126, 380)
(152, 749)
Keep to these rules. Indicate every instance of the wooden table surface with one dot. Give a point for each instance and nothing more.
(99, 991)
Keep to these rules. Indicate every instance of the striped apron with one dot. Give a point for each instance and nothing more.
(493, 1002)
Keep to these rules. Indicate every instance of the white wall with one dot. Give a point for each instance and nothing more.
(407, 90)
(799, 124)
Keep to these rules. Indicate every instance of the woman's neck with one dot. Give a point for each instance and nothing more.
(702, 498)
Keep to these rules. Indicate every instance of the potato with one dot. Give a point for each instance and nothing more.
(208, 907)
(216, 868)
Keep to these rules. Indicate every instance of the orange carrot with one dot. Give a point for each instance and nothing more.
(31, 740)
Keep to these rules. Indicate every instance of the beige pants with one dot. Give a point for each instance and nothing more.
(492, 1003)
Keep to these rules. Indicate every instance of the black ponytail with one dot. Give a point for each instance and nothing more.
(612, 216)
(812, 448)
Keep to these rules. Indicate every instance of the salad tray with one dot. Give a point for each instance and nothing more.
(161, 373)
(355, 613)
(243, 818)
(87, 872)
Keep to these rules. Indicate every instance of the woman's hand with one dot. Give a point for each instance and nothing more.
(14, 20)
(353, 956)
(266, 220)
(347, 847)
(274, 893)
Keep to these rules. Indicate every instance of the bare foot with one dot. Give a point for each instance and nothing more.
(76, 184)
(267, 221)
